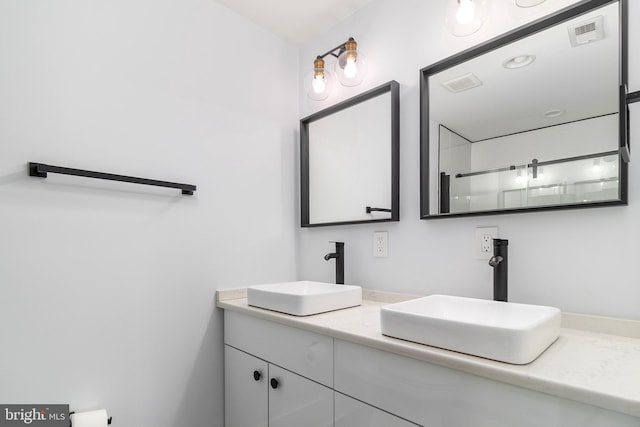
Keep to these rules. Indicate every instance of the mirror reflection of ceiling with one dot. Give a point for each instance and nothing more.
(562, 84)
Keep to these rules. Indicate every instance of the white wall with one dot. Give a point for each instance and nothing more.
(579, 260)
(107, 289)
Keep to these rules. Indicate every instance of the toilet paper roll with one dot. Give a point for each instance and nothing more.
(97, 418)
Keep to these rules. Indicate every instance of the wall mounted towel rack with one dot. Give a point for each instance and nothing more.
(40, 170)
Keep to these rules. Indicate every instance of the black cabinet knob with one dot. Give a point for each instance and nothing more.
(257, 375)
(274, 383)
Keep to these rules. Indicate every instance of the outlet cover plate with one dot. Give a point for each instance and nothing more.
(483, 243)
(380, 244)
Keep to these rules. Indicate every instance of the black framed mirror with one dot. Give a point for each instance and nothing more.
(533, 120)
(350, 160)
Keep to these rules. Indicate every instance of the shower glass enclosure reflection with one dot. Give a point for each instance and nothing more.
(530, 169)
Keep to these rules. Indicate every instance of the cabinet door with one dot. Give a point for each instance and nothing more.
(303, 352)
(351, 412)
(245, 389)
(295, 401)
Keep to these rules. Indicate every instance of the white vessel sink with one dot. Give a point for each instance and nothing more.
(304, 298)
(503, 331)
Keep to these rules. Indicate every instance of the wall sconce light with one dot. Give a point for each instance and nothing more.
(350, 68)
(465, 17)
(320, 82)
(351, 65)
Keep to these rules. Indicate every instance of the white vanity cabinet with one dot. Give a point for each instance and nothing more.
(353, 413)
(276, 376)
(434, 396)
(359, 377)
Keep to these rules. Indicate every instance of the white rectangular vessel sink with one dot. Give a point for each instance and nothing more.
(304, 298)
(503, 331)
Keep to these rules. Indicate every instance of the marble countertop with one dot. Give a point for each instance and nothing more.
(595, 368)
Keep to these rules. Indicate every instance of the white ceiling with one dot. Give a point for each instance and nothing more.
(296, 21)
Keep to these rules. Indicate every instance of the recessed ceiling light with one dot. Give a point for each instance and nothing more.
(551, 114)
(528, 3)
(518, 61)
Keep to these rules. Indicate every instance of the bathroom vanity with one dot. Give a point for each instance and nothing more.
(337, 369)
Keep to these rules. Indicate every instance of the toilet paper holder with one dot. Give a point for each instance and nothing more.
(73, 412)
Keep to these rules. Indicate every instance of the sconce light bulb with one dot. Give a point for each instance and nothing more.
(351, 66)
(318, 83)
(350, 70)
(466, 12)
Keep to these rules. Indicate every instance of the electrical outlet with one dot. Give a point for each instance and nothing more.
(484, 242)
(381, 244)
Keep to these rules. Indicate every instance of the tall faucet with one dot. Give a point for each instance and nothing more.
(499, 262)
(339, 256)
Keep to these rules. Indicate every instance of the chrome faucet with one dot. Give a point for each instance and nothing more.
(500, 269)
(339, 257)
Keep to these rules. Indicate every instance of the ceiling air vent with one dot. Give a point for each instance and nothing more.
(586, 32)
(468, 81)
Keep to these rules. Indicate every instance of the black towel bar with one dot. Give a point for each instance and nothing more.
(41, 170)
